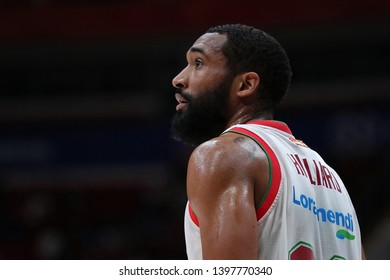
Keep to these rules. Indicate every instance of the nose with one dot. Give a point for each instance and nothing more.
(180, 80)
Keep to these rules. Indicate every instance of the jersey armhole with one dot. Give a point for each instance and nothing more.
(274, 171)
(193, 217)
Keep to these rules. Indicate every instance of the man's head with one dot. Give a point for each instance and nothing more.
(230, 68)
(250, 49)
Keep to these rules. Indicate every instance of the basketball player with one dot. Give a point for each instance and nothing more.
(254, 190)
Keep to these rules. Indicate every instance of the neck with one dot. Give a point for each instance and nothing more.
(242, 117)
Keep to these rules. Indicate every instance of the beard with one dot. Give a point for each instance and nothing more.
(204, 117)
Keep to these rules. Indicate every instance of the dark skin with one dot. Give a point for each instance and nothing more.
(223, 193)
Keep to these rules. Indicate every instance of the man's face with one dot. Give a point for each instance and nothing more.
(202, 90)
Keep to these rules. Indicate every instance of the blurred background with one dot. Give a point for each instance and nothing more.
(87, 166)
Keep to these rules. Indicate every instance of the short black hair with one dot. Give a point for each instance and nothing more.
(250, 49)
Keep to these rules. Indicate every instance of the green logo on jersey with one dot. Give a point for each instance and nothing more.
(342, 234)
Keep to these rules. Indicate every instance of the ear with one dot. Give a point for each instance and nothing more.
(249, 83)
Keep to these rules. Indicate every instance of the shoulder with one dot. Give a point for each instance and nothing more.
(227, 160)
(223, 151)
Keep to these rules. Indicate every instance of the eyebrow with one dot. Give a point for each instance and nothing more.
(199, 50)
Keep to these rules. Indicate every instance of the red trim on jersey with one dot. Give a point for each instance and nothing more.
(194, 218)
(276, 174)
(274, 124)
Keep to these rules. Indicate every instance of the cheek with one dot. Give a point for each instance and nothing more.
(204, 81)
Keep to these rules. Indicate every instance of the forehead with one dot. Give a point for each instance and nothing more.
(209, 44)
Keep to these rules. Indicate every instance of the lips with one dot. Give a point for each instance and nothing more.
(181, 100)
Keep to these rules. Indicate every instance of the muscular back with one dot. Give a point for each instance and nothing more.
(227, 177)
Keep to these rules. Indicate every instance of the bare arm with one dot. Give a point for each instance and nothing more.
(222, 176)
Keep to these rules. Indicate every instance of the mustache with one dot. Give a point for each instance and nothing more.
(183, 94)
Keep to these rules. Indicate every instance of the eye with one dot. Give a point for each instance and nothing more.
(198, 63)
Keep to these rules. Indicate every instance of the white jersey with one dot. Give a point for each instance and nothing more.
(306, 212)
